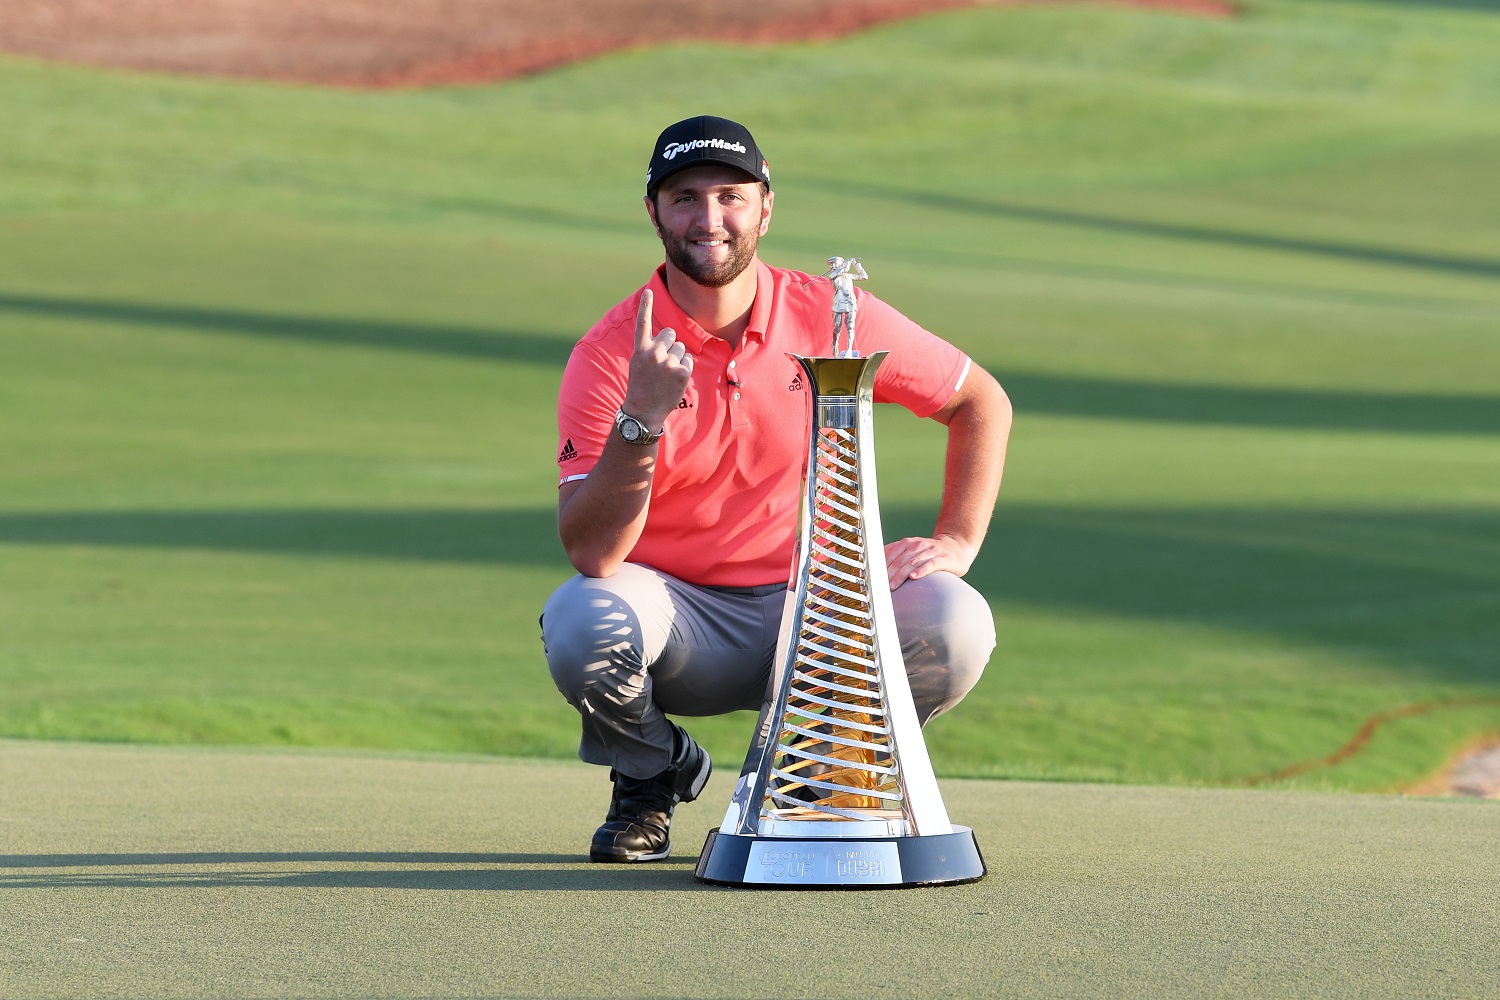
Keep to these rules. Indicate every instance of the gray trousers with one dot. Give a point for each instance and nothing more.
(628, 649)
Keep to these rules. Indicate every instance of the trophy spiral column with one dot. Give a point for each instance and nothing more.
(839, 793)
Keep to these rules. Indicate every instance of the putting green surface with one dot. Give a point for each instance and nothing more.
(132, 871)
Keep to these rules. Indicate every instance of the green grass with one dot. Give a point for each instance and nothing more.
(190, 872)
(277, 372)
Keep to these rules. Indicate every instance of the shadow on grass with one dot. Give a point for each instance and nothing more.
(524, 536)
(214, 869)
(1033, 392)
(158, 860)
(1478, 267)
(484, 344)
(1227, 405)
(1413, 587)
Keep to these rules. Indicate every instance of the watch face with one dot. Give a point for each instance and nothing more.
(631, 429)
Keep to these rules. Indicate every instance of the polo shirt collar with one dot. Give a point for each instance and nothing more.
(760, 309)
(666, 312)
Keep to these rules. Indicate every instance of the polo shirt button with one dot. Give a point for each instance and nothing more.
(731, 364)
(736, 395)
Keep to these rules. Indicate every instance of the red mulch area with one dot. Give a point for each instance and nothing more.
(418, 43)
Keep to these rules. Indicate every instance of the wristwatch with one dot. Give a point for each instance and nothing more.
(635, 432)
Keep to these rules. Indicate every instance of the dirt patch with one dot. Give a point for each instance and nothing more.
(414, 43)
(1474, 772)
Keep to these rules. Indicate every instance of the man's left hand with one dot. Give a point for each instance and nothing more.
(914, 558)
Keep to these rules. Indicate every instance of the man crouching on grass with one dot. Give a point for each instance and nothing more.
(681, 441)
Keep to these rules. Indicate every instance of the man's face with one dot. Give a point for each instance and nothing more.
(710, 220)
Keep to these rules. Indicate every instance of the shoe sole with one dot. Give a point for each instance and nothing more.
(627, 859)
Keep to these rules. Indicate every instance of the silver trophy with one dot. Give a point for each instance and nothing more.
(837, 791)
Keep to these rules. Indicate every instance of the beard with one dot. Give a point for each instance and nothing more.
(741, 253)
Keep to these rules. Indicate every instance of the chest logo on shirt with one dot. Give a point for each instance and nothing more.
(683, 404)
(796, 385)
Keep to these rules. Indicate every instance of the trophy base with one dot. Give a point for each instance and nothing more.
(758, 862)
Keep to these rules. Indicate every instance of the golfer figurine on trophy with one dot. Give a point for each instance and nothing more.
(844, 273)
(838, 791)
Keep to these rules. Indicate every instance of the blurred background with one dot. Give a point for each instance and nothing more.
(285, 297)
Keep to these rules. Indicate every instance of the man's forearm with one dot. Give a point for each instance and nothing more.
(977, 434)
(600, 518)
(978, 422)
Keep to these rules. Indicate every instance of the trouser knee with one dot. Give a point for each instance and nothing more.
(592, 637)
(602, 637)
(947, 635)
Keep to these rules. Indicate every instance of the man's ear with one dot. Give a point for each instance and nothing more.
(765, 211)
(651, 213)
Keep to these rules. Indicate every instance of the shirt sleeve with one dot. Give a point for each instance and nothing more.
(923, 370)
(593, 384)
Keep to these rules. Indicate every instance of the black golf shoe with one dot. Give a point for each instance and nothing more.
(640, 811)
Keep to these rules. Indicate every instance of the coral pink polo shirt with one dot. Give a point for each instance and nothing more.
(728, 480)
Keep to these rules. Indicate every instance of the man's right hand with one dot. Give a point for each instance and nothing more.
(660, 369)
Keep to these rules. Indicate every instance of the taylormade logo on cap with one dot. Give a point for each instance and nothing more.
(671, 149)
(704, 140)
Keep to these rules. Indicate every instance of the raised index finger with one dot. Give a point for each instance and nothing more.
(643, 322)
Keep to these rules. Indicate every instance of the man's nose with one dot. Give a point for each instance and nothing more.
(712, 216)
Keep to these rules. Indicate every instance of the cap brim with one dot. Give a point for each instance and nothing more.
(702, 161)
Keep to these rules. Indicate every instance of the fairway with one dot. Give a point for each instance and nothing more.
(278, 367)
(193, 873)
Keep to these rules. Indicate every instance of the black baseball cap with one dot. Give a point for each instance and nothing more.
(693, 142)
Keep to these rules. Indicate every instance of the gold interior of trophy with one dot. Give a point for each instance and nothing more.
(836, 376)
(834, 756)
